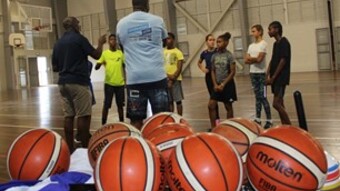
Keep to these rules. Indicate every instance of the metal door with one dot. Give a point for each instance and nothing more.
(33, 71)
(323, 49)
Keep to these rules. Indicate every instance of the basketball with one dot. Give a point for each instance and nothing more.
(105, 135)
(129, 163)
(241, 133)
(37, 154)
(286, 158)
(161, 118)
(167, 136)
(204, 161)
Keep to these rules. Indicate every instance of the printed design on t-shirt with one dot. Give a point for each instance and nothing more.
(171, 58)
(114, 59)
(141, 32)
(221, 62)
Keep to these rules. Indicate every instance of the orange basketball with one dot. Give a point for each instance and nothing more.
(129, 163)
(105, 135)
(167, 136)
(204, 161)
(286, 158)
(241, 133)
(161, 118)
(37, 154)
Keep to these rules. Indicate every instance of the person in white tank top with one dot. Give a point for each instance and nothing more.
(256, 58)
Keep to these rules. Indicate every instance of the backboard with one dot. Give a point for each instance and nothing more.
(32, 17)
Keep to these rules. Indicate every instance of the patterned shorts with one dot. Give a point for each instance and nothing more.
(137, 102)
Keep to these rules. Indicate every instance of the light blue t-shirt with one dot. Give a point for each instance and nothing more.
(141, 35)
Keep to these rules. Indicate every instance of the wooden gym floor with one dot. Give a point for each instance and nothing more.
(25, 109)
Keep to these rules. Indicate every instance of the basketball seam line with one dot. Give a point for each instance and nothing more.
(242, 144)
(185, 159)
(121, 164)
(218, 162)
(24, 161)
(54, 148)
(235, 127)
(246, 135)
(145, 146)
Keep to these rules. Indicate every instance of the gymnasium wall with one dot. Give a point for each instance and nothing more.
(300, 19)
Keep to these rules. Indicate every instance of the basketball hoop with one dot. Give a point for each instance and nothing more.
(17, 40)
(39, 28)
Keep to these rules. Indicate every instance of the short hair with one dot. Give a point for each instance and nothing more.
(172, 35)
(226, 36)
(207, 37)
(258, 28)
(70, 23)
(112, 35)
(276, 25)
(140, 3)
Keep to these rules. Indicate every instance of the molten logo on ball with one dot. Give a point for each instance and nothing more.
(174, 178)
(279, 166)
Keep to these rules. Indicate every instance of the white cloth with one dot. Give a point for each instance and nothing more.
(79, 163)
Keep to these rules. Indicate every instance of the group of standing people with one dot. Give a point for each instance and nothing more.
(141, 36)
(219, 72)
(151, 73)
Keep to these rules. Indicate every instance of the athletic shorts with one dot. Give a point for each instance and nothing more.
(227, 95)
(76, 100)
(209, 83)
(278, 90)
(137, 102)
(109, 91)
(175, 92)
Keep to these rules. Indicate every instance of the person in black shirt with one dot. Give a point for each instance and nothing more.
(69, 58)
(206, 56)
(278, 72)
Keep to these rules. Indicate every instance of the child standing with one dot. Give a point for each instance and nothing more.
(222, 73)
(256, 58)
(278, 72)
(113, 60)
(206, 56)
(173, 67)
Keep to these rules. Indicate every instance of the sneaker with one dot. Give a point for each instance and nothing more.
(268, 125)
(77, 139)
(258, 122)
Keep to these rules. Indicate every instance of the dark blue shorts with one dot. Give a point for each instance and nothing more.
(137, 102)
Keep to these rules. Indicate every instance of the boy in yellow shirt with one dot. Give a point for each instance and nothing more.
(113, 60)
(173, 67)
